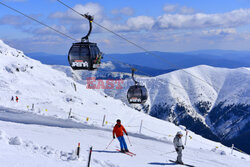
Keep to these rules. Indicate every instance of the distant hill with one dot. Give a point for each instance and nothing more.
(167, 60)
(164, 60)
(108, 67)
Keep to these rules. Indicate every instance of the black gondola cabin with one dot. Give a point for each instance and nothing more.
(84, 56)
(137, 94)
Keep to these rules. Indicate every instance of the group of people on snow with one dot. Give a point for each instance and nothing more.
(12, 98)
(118, 133)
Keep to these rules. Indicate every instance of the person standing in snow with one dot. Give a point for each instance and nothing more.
(178, 146)
(118, 131)
(12, 98)
(16, 99)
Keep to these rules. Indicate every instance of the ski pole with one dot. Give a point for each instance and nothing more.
(109, 144)
(129, 141)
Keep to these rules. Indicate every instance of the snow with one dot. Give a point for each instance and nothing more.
(55, 145)
(46, 136)
(217, 89)
(15, 141)
(192, 86)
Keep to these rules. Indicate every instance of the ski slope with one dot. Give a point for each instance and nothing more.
(46, 136)
(54, 145)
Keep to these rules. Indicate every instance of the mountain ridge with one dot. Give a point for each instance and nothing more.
(215, 106)
(164, 60)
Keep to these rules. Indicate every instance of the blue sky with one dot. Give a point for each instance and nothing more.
(172, 25)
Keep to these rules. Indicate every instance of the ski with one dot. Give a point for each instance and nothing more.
(127, 153)
(131, 153)
(182, 164)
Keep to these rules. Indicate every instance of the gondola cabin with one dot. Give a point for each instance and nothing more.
(84, 56)
(137, 94)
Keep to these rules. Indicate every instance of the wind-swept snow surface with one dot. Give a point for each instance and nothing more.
(39, 130)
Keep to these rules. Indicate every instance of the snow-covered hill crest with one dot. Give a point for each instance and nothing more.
(214, 102)
(205, 89)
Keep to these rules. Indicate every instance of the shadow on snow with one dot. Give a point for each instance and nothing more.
(160, 163)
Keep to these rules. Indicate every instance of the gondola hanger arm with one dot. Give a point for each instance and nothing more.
(90, 19)
(133, 72)
(87, 16)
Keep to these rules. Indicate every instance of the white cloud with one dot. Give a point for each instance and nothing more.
(174, 21)
(186, 10)
(180, 26)
(90, 8)
(125, 11)
(47, 31)
(174, 8)
(170, 8)
(12, 20)
(185, 19)
(200, 20)
(132, 24)
(141, 22)
(216, 32)
(106, 41)
(114, 27)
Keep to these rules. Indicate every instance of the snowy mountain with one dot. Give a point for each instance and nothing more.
(213, 102)
(54, 113)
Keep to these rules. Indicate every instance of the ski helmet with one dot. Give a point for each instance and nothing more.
(179, 133)
(118, 121)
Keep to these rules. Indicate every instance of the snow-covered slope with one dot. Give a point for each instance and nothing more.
(39, 146)
(37, 130)
(214, 102)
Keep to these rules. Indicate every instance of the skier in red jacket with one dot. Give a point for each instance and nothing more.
(16, 99)
(118, 131)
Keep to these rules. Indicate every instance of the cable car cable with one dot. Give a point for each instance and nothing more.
(146, 74)
(63, 34)
(93, 22)
(140, 47)
(38, 21)
(73, 38)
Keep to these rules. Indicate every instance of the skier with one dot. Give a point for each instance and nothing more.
(16, 99)
(12, 98)
(178, 147)
(118, 131)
